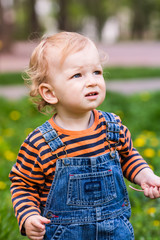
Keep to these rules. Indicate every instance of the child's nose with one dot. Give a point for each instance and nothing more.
(91, 81)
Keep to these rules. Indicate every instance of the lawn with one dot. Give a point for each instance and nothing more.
(141, 113)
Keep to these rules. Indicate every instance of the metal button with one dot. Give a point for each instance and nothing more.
(49, 215)
(66, 161)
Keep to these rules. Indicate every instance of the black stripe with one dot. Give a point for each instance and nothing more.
(81, 139)
(133, 169)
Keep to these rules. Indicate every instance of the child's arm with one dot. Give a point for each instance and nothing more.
(35, 227)
(131, 161)
(27, 179)
(149, 182)
(134, 167)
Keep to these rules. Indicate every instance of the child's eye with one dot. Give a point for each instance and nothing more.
(97, 72)
(77, 75)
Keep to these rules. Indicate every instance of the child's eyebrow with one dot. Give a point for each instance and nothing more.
(79, 68)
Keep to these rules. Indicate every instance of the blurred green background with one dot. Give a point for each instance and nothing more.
(120, 19)
(111, 24)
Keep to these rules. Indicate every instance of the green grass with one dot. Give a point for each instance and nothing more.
(125, 73)
(11, 78)
(110, 73)
(141, 115)
(139, 112)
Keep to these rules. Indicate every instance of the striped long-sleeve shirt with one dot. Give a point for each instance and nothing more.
(33, 173)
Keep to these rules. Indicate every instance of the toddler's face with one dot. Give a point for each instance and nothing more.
(78, 83)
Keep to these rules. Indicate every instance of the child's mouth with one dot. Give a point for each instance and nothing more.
(91, 94)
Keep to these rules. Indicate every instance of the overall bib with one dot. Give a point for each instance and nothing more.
(88, 199)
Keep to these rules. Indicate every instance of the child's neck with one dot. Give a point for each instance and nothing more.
(75, 123)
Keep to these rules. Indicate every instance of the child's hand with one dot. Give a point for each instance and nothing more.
(151, 187)
(35, 227)
(149, 182)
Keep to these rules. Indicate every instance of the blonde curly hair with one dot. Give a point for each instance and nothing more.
(37, 73)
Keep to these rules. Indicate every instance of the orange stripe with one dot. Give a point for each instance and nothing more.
(26, 155)
(132, 166)
(38, 134)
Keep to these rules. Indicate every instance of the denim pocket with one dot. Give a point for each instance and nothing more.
(91, 189)
(125, 229)
(54, 232)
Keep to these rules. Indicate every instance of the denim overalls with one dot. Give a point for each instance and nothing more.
(88, 198)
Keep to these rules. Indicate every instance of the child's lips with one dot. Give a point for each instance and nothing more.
(91, 94)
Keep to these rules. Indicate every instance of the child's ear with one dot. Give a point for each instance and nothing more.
(47, 93)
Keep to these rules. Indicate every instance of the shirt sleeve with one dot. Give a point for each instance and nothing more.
(131, 161)
(27, 179)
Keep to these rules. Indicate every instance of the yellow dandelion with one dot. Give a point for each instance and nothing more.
(151, 211)
(139, 142)
(3, 185)
(149, 153)
(158, 153)
(156, 223)
(9, 155)
(15, 115)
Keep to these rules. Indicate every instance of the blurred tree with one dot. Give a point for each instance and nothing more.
(27, 24)
(33, 24)
(71, 14)
(63, 15)
(6, 27)
(1, 22)
(156, 19)
(141, 17)
(101, 11)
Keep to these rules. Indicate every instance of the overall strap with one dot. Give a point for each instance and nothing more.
(113, 128)
(50, 135)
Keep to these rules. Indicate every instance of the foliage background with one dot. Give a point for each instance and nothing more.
(29, 19)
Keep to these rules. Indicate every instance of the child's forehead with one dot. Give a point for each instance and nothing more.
(59, 53)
